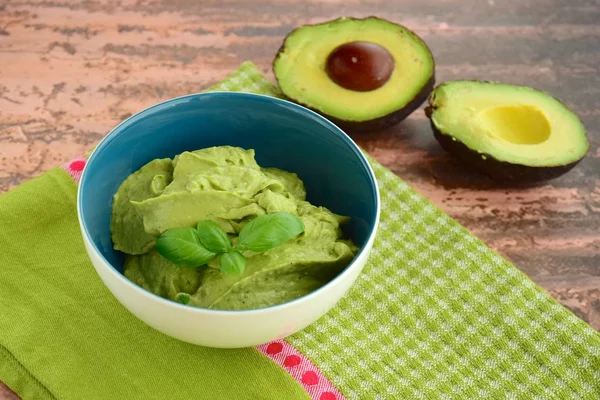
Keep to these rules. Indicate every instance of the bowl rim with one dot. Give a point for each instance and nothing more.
(363, 251)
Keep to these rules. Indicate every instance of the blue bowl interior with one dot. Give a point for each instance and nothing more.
(283, 135)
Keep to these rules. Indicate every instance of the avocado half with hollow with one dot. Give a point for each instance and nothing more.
(509, 132)
(362, 74)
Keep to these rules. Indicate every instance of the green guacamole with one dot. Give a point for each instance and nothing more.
(225, 184)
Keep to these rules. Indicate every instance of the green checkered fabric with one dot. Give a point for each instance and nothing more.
(247, 78)
(436, 314)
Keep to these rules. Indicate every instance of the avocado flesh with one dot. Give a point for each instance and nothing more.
(509, 132)
(300, 70)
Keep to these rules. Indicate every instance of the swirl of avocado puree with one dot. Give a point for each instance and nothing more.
(224, 184)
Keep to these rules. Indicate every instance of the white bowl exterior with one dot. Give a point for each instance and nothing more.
(227, 329)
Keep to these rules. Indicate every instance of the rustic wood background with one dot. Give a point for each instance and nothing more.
(70, 71)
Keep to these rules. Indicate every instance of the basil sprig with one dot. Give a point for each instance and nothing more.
(194, 247)
(269, 231)
(213, 237)
(233, 263)
(182, 246)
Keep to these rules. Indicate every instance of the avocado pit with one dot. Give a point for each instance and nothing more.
(360, 66)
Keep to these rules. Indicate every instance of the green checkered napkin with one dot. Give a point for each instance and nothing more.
(435, 315)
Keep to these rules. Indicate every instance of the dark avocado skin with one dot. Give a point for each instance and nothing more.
(499, 171)
(376, 124)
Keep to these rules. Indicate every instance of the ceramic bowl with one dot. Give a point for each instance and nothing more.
(284, 135)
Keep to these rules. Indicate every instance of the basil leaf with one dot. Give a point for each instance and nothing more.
(182, 298)
(269, 231)
(182, 246)
(213, 237)
(233, 263)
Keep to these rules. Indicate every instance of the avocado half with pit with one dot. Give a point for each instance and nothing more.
(362, 74)
(510, 133)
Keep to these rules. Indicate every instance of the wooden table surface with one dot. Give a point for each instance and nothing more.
(69, 72)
